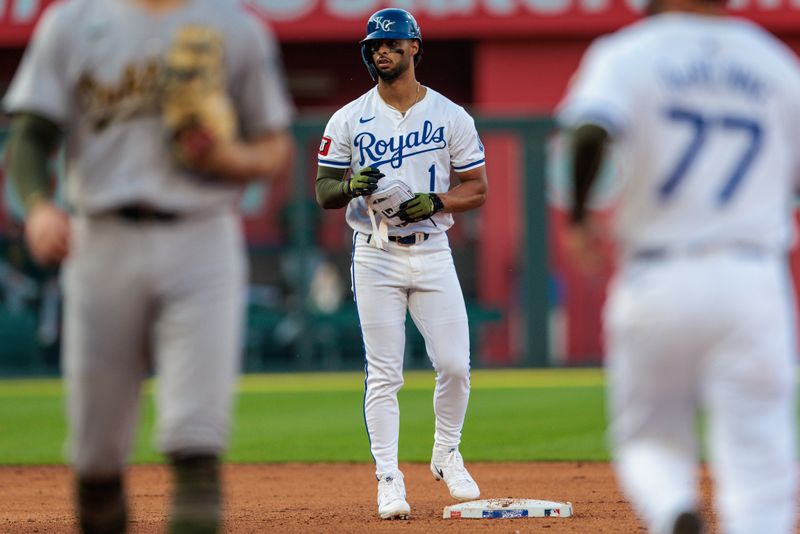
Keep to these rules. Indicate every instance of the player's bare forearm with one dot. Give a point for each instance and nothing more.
(263, 158)
(586, 244)
(471, 193)
(272, 155)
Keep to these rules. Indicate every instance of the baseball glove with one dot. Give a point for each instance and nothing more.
(195, 106)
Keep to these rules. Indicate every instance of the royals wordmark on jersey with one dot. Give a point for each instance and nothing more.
(419, 148)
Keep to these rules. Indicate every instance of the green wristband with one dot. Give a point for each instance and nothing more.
(346, 189)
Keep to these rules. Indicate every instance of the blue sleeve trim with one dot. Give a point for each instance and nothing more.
(470, 165)
(331, 163)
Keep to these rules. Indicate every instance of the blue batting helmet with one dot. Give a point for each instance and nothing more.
(390, 23)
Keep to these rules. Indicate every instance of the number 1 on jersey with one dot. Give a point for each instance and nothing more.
(432, 172)
(703, 126)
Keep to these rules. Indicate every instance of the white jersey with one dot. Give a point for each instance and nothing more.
(93, 68)
(421, 148)
(706, 117)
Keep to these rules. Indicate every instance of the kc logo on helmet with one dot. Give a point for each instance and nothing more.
(384, 25)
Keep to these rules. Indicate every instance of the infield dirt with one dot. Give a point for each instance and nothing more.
(293, 498)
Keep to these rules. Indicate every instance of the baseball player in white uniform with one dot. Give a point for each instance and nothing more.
(400, 142)
(153, 255)
(705, 114)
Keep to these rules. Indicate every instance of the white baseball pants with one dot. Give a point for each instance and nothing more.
(711, 332)
(422, 279)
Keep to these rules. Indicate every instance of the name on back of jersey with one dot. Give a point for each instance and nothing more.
(709, 75)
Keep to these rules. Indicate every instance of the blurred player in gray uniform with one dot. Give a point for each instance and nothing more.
(400, 142)
(705, 114)
(154, 268)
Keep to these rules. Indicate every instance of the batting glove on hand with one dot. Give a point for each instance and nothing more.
(419, 208)
(364, 182)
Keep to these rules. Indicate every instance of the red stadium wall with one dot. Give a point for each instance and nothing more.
(531, 75)
(498, 57)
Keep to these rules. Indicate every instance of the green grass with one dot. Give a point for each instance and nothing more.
(513, 415)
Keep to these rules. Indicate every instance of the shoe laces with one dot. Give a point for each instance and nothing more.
(392, 487)
(454, 466)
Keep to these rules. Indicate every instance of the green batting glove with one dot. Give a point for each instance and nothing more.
(364, 182)
(419, 208)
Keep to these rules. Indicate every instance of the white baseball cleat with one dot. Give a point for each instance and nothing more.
(392, 497)
(449, 467)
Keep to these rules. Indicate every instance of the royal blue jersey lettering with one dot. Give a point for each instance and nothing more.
(374, 151)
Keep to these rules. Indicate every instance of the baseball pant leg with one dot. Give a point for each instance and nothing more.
(436, 305)
(105, 348)
(381, 299)
(751, 405)
(655, 450)
(198, 332)
(652, 402)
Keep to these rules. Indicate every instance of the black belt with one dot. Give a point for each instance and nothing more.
(144, 213)
(410, 239)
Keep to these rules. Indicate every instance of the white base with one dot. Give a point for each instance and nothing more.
(507, 509)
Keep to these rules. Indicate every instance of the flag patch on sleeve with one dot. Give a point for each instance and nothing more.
(325, 146)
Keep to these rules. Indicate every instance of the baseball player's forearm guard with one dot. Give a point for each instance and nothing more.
(31, 141)
(329, 188)
(588, 145)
